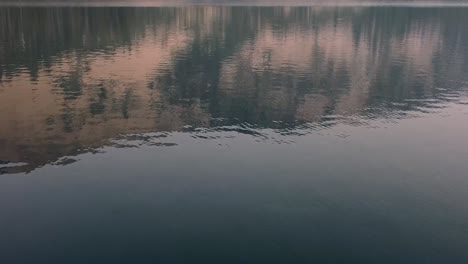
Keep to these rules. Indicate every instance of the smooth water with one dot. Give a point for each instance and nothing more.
(233, 135)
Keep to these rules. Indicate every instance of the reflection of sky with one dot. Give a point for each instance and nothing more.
(386, 174)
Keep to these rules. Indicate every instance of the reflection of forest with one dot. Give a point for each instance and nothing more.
(71, 77)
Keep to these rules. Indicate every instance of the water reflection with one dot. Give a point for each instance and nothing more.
(75, 79)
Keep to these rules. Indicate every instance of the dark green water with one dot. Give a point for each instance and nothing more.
(233, 135)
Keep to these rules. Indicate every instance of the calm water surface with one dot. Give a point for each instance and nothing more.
(203, 134)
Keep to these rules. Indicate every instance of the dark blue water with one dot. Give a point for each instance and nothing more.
(224, 134)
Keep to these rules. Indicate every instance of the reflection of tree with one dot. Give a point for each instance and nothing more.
(98, 105)
(353, 57)
(71, 85)
(108, 71)
(31, 37)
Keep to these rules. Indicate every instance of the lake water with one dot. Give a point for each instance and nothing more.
(230, 134)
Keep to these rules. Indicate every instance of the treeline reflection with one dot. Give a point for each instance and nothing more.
(73, 77)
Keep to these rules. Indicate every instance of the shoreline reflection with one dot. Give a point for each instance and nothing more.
(71, 79)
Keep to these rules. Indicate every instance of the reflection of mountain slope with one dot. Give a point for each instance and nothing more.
(112, 98)
(139, 70)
